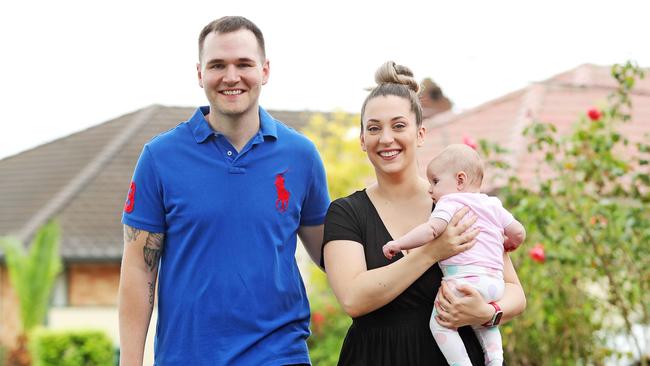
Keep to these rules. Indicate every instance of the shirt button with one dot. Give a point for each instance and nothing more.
(229, 153)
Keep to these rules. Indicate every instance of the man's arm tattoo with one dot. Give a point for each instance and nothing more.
(152, 248)
(152, 289)
(131, 233)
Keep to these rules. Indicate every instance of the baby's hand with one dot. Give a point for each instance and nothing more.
(509, 245)
(390, 249)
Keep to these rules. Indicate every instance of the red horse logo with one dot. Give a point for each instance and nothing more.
(283, 195)
(130, 199)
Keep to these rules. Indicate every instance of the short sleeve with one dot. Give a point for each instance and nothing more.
(504, 216)
(445, 209)
(341, 223)
(144, 208)
(317, 198)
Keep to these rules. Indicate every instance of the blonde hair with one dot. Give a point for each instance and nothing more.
(460, 157)
(397, 80)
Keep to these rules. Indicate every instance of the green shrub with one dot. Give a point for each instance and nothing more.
(588, 275)
(329, 323)
(72, 348)
(32, 272)
(3, 354)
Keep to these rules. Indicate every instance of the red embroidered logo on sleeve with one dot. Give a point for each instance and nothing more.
(283, 195)
(130, 199)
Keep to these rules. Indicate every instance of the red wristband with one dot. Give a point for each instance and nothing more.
(496, 318)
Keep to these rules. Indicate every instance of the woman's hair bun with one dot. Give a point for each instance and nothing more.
(392, 73)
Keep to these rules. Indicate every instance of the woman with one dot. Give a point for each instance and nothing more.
(391, 301)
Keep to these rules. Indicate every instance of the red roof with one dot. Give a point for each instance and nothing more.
(559, 100)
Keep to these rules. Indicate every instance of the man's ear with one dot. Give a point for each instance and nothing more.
(266, 71)
(199, 74)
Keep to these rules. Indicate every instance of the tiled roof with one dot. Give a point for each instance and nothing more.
(559, 100)
(82, 180)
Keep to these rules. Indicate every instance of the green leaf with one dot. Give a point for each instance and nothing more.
(32, 274)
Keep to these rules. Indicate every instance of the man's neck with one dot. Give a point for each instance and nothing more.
(238, 129)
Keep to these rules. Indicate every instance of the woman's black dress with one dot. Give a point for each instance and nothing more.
(398, 333)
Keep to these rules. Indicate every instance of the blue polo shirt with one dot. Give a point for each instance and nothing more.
(229, 290)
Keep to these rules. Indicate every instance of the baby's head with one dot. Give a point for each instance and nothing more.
(458, 168)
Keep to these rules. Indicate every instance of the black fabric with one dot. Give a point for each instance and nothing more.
(397, 334)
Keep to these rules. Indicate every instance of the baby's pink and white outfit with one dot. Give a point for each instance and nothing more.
(480, 267)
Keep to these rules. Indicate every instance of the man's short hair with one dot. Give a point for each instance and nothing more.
(230, 24)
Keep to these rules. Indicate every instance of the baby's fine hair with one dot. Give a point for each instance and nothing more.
(460, 157)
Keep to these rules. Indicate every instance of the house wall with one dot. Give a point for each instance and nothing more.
(93, 284)
(92, 303)
(89, 285)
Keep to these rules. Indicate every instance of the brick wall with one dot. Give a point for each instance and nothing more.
(93, 284)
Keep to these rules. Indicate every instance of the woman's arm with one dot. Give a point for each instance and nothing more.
(360, 291)
(455, 311)
(513, 302)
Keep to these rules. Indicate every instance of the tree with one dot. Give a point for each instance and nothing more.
(590, 275)
(32, 276)
(337, 140)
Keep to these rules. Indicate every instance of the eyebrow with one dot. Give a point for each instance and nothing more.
(392, 119)
(220, 60)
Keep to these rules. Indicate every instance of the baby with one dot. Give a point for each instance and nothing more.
(455, 176)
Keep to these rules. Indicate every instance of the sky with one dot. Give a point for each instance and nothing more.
(70, 65)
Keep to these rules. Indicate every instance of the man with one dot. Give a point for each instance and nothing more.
(218, 201)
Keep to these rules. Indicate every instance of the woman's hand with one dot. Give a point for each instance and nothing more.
(455, 239)
(465, 308)
(469, 307)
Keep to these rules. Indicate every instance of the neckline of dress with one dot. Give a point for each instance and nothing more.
(374, 209)
(397, 256)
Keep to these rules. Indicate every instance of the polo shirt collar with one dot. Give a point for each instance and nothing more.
(202, 131)
(199, 125)
(268, 125)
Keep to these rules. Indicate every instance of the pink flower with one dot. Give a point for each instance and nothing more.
(318, 319)
(537, 253)
(470, 142)
(594, 114)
